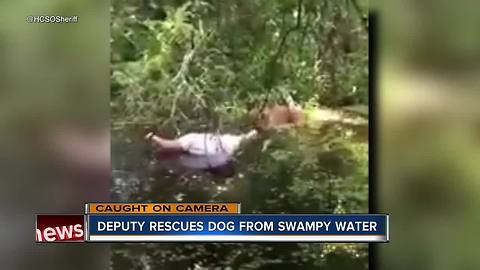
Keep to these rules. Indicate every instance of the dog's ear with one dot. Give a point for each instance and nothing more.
(289, 100)
(254, 112)
(253, 117)
(259, 117)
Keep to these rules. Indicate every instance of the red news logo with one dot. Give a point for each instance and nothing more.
(60, 228)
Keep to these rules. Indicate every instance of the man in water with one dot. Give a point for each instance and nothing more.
(202, 143)
(212, 152)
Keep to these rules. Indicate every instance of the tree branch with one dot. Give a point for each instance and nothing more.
(289, 31)
(363, 18)
(270, 69)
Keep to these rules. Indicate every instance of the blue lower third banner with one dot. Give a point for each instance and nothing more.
(238, 228)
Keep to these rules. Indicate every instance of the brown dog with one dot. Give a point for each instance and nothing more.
(291, 115)
(280, 116)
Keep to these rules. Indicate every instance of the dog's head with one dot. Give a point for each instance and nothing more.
(272, 116)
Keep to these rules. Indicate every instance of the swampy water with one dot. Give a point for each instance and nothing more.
(315, 170)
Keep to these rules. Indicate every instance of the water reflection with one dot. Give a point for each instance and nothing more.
(321, 170)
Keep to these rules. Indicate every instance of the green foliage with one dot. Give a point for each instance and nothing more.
(186, 65)
(176, 63)
(301, 171)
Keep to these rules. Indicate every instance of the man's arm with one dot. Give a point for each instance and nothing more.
(252, 134)
(165, 144)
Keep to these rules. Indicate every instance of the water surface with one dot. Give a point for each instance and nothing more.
(315, 170)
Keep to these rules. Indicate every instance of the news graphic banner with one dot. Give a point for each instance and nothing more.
(156, 208)
(205, 222)
(237, 228)
(60, 228)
